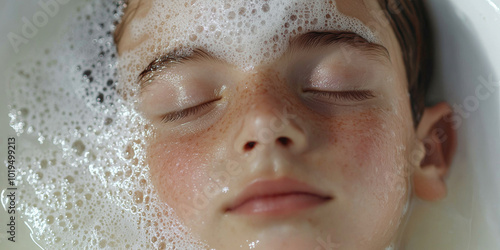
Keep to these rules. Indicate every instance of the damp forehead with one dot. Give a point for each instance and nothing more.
(244, 33)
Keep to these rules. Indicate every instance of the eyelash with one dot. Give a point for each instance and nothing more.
(343, 96)
(176, 115)
(355, 95)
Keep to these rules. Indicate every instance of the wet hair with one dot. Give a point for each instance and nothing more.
(410, 23)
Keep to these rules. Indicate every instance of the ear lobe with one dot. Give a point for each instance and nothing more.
(438, 137)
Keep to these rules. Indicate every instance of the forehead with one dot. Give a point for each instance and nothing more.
(244, 33)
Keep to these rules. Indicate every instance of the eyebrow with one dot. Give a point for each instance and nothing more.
(303, 42)
(319, 39)
(175, 57)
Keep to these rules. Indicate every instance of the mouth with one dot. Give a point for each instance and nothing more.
(277, 197)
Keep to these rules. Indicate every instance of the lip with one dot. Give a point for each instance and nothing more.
(277, 197)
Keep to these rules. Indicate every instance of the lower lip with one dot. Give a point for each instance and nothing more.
(279, 205)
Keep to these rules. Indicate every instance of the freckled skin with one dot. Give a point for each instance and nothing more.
(348, 152)
(341, 149)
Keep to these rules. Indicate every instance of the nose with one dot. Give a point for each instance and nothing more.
(270, 126)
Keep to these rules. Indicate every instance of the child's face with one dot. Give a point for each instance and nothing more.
(335, 116)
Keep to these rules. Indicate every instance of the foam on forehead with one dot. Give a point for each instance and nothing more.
(245, 33)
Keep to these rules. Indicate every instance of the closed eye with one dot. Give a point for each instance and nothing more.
(353, 95)
(178, 115)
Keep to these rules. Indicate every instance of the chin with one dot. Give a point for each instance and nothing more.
(289, 243)
(274, 241)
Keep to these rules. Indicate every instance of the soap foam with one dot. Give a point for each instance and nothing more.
(84, 180)
(244, 33)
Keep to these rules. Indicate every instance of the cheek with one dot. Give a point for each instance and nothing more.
(371, 167)
(373, 162)
(367, 142)
(179, 168)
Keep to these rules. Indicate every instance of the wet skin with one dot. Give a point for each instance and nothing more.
(335, 116)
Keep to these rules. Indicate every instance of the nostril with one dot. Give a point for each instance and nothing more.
(284, 141)
(249, 145)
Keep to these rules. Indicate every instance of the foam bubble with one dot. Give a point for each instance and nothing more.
(245, 33)
(82, 173)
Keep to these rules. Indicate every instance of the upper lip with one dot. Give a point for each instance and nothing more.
(265, 188)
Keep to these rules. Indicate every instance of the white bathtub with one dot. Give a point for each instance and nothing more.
(468, 34)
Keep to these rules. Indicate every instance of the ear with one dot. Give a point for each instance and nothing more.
(437, 135)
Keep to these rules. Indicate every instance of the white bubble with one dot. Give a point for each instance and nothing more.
(84, 187)
(253, 22)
